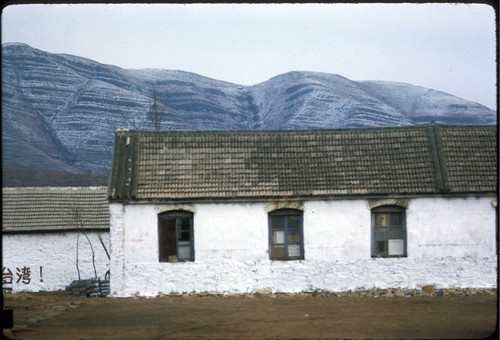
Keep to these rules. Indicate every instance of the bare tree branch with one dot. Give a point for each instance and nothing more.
(156, 111)
(77, 246)
(105, 249)
(76, 216)
(129, 121)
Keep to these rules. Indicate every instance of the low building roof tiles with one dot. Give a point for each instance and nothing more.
(49, 209)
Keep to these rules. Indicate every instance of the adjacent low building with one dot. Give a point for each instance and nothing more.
(301, 210)
(52, 236)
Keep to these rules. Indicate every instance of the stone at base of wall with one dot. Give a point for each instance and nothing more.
(426, 291)
(88, 288)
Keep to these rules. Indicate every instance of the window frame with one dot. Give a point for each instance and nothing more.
(388, 209)
(176, 215)
(286, 213)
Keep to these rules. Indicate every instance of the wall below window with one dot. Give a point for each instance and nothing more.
(47, 261)
(451, 243)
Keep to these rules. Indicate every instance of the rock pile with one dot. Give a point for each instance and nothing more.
(426, 291)
(88, 288)
(400, 292)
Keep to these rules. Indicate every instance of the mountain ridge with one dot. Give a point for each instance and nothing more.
(59, 111)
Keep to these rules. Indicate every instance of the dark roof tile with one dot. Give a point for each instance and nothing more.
(54, 209)
(191, 165)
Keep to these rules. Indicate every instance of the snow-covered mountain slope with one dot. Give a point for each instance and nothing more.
(59, 111)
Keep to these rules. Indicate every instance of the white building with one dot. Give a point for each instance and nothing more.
(302, 210)
(47, 231)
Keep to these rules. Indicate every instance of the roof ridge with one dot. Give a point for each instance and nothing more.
(299, 131)
(57, 188)
(272, 131)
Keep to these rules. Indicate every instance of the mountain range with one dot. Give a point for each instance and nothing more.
(59, 112)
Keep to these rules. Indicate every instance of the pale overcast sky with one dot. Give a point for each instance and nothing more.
(447, 47)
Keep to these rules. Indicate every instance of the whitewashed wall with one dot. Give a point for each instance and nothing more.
(451, 243)
(47, 261)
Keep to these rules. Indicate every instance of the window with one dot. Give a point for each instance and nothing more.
(175, 236)
(388, 231)
(285, 235)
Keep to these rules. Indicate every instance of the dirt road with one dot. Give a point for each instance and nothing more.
(54, 316)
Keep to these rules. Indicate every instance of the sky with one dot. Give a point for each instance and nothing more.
(447, 47)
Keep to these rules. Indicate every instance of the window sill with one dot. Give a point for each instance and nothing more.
(388, 256)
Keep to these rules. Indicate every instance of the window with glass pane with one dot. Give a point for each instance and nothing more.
(175, 237)
(285, 235)
(388, 231)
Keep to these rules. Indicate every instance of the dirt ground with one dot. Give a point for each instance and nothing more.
(55, 316)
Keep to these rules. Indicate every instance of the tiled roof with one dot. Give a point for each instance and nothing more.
(469, 158)
(54, 209)
(423, 159)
